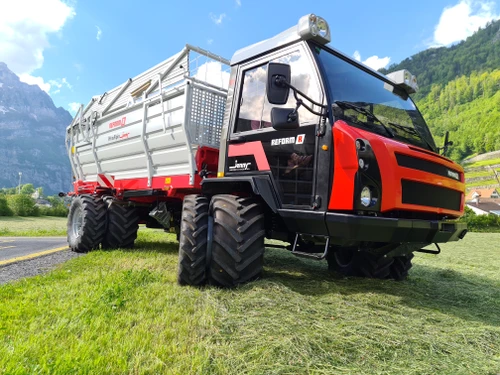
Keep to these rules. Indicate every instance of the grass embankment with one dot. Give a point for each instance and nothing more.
(122, 312)
(491, 183)
(482, 163)
(32, 226)
(480, 174)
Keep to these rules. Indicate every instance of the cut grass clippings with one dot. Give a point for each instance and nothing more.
(40, 226)
(121, 312)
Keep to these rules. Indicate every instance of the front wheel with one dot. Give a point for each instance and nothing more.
(86, 223)
(238, 240)
(342, 260)
(401, 266)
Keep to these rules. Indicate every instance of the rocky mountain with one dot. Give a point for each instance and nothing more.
(32, 133)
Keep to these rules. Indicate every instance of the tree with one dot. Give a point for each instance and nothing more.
(27, 189)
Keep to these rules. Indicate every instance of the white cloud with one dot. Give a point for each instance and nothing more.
(31, 80)
(373, 62)
(217, 19)
(46, 86)
(210, 41)
(376, 62)
(73, 107)
(238, 3)
(213, 72)
(25, 26)
(99, 33)
(60, 83)
(462, 20)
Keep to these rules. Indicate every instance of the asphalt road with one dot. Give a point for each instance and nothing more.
(13, 249)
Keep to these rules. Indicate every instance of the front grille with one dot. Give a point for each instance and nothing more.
(430, 195)
(426, 166)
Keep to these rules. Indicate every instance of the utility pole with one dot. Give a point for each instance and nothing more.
(20, 174)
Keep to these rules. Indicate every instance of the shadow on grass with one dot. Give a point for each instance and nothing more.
(466, 296)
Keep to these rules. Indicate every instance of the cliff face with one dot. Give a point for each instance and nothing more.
(32, 132)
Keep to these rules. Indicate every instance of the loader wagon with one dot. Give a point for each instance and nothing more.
(291, 140)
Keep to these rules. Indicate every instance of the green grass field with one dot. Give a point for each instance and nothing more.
(32, 226)
(121, 312)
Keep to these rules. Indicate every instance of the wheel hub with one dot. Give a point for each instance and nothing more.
(77, 222)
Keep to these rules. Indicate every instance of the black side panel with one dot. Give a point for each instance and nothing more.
(304, 221)
(259, 185)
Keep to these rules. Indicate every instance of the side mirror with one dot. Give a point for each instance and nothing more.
(284, 118)
(446, 138)
(447, 142)
(277, 76)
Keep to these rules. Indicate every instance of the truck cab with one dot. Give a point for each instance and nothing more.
(337, 154)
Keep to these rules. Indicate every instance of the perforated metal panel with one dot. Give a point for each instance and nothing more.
(206, 116)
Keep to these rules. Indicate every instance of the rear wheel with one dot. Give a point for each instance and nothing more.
(193, 241)
(123, 224)
(86, 223)
(238, 240)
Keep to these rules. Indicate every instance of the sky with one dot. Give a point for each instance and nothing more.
(75, 49)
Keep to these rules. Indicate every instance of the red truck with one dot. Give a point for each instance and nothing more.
(291, 140)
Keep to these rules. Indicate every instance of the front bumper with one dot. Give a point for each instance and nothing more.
(344, 228)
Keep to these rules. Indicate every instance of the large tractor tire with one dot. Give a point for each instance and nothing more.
(401, 266)
(123, 224)
(86, 223)
(237, 254)
(193, 241)
(350, 262)
(374, 267)
(342, 261)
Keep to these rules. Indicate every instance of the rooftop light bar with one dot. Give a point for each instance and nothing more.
(313, 27)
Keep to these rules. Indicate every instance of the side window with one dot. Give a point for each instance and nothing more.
(303, 80)
(252, 99)
(255, 110)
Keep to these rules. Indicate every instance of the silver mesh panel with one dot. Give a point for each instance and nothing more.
(206, 117)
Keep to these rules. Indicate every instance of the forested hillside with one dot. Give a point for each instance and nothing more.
(438, 66)
(460, 91)
(469, 107)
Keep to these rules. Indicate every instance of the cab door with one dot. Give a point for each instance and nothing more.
(255, 147)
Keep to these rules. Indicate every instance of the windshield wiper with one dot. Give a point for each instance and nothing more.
(412, 131)
(363, 111)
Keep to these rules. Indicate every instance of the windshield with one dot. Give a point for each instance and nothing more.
(368, 102)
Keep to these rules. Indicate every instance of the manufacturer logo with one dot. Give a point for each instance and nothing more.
(453, 174)
(239, 166)
(118, 123)
(289, 140)
(116, 137)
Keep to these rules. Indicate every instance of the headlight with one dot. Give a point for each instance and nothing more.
(366, 196)
(314, 27)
